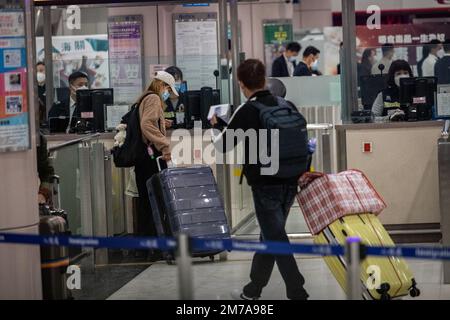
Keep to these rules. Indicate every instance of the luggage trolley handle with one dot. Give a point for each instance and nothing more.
(56, 196)
(446, 128)
(170, 164)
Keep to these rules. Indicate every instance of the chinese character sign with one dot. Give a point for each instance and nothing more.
(14, 122)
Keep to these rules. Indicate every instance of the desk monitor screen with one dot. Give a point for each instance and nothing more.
(84, 104)
(426, 87)
(91, 104)
(407, 89)
(371, 87)
(199, 102)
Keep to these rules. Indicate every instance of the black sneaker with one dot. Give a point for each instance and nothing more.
(238, 295)
(303, 296)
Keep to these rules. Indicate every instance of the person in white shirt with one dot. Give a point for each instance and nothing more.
(428, 64)
(68, 109)
(388, 56)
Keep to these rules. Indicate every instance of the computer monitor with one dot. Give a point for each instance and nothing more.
(91, 104)
(407, 89)
(371, 87)
(198, 104)
(418, 90)
(419, 96)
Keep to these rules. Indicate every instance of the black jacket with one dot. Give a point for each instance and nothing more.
(280, 68)
(247, 117)
(302, 70)
(45, 169)
(442, 70)
(61, 109)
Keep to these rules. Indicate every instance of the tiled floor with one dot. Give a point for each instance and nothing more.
(215, 281)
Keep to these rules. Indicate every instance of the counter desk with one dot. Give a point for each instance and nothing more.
(400, 159)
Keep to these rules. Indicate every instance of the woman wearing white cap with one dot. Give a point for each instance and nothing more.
(154, 134)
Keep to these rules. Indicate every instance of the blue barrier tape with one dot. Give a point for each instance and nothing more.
(165, 244)
(278, 248)
(90, 242)
(428, 253)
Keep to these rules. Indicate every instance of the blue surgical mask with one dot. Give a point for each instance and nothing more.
(178, 86)
(165, 95)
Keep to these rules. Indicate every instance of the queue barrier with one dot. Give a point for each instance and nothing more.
(197, 244)
(353, 250)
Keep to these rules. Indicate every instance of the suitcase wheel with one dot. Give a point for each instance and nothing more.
(385, 296)
(414, 292)
(383, 291)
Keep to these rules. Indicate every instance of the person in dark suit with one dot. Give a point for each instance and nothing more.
(442, 66)
(307, 67)
(66, 111)
(284, 65)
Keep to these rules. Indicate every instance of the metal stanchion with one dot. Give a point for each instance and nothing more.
(326, 151)
(353, 260)
(184, 262)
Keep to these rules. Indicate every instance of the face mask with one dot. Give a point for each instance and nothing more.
(292, 59)
(82, 88)
(440, 53)
(315, 65)
(165, 95)
(178, 87)
(40, 77)
(397, 79)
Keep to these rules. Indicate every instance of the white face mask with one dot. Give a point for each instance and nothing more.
(40, 76)
(397, 79)
(440, 53)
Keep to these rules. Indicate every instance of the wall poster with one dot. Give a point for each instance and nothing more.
(126, 57)
(87, 53)
(14, 117)
(277, 34)
(196, 48)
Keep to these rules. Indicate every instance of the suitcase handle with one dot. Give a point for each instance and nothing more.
(446, 128)
(170, 164)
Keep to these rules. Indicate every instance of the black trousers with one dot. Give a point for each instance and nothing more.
(144, 170)
(272, 206)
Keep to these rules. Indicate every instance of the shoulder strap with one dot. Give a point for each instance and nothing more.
(258, 105)
(143, 97)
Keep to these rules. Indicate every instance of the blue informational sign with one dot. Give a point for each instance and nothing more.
(14, 113)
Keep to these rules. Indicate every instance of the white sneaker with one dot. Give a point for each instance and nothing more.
(239, 295)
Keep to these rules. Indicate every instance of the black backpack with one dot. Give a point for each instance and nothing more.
(133, 149)
(294, 156)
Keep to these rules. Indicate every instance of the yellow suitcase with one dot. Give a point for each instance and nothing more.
(382, 278)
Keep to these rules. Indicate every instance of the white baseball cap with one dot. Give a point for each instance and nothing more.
(167, 78)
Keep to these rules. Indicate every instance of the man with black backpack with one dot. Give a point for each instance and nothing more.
(273, 193)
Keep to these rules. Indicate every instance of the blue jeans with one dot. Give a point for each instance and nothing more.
(272, 206)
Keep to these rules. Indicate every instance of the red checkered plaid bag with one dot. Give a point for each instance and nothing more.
(324, 198)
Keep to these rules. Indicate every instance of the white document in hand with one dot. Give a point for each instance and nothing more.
(222, 111)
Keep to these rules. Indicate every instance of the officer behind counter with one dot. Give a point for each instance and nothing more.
(387, 103)
(175, 105)
(64, 115)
